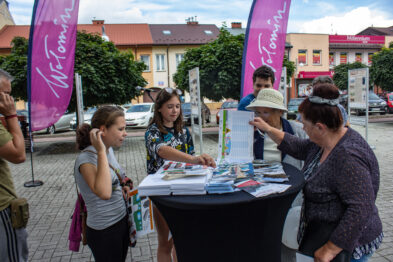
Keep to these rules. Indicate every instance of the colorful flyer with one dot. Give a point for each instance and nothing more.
(236, 137)
(142, 213)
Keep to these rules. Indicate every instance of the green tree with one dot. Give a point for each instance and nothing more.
(108, 75)
(290, 68)
(381, 70)
(340, 76)
(220, 67)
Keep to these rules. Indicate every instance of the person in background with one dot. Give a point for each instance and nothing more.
(326, 80)
(167, 139)
(13, 242)
(262, 78)
(95, 170)
(269, 105)
(341, 173)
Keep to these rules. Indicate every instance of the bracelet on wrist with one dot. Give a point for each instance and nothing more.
(11, 116)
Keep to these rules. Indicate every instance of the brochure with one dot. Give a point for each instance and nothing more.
(142, 213)
(236, 137)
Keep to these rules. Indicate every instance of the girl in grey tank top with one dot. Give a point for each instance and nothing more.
(107, 229)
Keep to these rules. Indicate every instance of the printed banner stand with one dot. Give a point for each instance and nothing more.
(50, 65)
(195, 99)
(264, 43)
(32, 183)
(358, 89)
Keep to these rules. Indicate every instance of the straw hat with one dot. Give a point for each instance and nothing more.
(270, 98)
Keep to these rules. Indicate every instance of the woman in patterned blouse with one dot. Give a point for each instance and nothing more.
(342, 176)
(166, 138)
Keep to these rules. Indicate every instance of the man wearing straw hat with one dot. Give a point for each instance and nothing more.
(269, 105)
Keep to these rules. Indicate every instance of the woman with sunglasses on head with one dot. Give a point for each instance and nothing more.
(96, 173)
(167, 139)
(342, 181)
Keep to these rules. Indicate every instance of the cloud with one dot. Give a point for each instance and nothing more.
(348, 23)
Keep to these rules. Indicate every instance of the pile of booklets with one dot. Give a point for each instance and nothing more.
(225, 175)
(269, 171)
(176, 178)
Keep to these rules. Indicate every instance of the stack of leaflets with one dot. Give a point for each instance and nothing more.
(225, 175)
(177, 178)
(154, 185)
(221, 182)
(270, 172)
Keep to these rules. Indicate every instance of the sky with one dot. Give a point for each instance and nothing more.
(346, 17)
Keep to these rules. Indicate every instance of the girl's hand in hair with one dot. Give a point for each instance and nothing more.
(205, 160)
(96, 141)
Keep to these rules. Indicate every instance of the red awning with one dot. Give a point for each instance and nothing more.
(305, 74)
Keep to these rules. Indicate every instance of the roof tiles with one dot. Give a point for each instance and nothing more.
(183, 33)
(119, 34)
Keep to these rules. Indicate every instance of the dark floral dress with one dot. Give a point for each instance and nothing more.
(154, 139)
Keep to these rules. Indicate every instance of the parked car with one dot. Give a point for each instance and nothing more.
(343, 100)
(87, 115)
(293, 107)
(139, 115)
(389, 102)
(375, 105)
(63, 124)
(186, 110)
(228, 105)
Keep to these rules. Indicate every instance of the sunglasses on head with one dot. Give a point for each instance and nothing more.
(170, 91)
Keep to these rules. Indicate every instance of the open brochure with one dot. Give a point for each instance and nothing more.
(236, 137)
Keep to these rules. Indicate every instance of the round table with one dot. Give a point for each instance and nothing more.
(229, 227)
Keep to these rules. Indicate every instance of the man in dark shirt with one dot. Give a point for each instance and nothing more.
(263, 77)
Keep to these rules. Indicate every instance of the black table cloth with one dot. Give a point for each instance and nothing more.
(229, 227)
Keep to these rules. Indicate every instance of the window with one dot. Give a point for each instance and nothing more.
(166, 32)
(179, 58)
(302, 57)
(316, 57)
(146, 59)
(331, 59)
(358, 57)
(370, 58)
(343, 58)
(160, 62)
(208, 32)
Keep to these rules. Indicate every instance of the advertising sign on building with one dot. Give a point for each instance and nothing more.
(316, 57)
(343, 58)
(370, 58)
(358, 57)
(357, 39)
(302, 57)
(331, 59)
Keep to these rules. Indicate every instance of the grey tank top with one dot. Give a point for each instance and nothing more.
(100, 213)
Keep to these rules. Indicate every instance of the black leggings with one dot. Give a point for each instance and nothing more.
(109, 244)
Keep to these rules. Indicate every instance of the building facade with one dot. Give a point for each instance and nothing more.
(5, 15)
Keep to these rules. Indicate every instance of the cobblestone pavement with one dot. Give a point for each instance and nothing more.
(51, 205)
